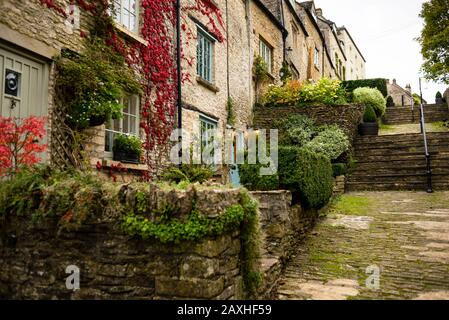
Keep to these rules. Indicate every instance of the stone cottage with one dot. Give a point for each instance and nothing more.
(401, 97)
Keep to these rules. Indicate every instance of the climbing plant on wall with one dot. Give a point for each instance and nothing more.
(153, 60)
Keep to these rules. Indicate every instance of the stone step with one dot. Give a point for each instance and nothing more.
(402, 137)
(399, 157)
(397, 172)
(397, 186)
(406, 150)
(391, 165)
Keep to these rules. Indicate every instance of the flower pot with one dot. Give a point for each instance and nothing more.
(126, 157)
(369, 129)
(97, 121)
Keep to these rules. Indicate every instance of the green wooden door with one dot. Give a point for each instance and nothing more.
(23, 85)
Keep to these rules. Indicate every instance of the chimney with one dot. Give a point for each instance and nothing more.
(408, 88)
(394, 81)
(319, 12)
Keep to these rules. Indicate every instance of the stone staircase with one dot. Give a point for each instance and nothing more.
(397, 162)
(405, 115)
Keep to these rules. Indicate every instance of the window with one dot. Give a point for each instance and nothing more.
(129, 124)
(204, 55)
(126, 13)
(207, 132)
(266, 53)
(295, 33)
(316, 58)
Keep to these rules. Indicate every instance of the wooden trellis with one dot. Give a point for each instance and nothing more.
(65, 148)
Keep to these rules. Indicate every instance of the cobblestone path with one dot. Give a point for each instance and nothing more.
(401, 236)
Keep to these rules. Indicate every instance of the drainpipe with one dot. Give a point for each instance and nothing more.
(179, 74)
(227, 51)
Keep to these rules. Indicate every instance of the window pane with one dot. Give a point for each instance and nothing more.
(133, 125)
(116, 125)
(126, 124)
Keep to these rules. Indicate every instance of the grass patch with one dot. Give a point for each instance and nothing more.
(352, 205)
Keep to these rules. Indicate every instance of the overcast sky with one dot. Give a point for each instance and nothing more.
(384, 31)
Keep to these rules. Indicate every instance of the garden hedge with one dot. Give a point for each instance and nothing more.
(379, 83)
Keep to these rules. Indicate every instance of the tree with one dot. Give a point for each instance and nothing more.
(434, 40)
(20, 143)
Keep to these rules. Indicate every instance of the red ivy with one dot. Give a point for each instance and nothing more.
(155, 60)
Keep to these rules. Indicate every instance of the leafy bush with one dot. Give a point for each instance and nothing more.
(390, 101)
(416, 99)
(339, 169)
(307, 174)
(252, 180)
(260, 69)
(127, 144)
(331, 142)
(325, 91)
(369, 116)
(379, 84)
(188, 172)
(93, 83)
(296, 130)
(371, 97)
(287, 94)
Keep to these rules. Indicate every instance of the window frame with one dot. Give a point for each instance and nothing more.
(264, 48)
(213, 126)
(120, 15)
(205, 70)
(109, 154)
(316, 58)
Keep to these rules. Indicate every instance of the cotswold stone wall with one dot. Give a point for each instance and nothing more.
(283, 227)
(347, 117)
(113, 265)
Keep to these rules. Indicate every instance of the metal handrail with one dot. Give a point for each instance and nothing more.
(426, 146)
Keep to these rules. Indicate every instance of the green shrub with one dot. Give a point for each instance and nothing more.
(260, 69)
(369, 116)
(307, 175)
(128, 144)
(379, 84)
(339, 169)
(284, 95)
(325, 91)
(390, 101)
(438, 95)
(331, 142)
(188, 172)
(416, 99)
(251, 179)
(296, 130)
(371, 97)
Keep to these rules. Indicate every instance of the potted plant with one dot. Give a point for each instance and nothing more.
(369, 127)
(439, 98)
(127, 149)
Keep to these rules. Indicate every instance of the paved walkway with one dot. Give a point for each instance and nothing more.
(375, 245)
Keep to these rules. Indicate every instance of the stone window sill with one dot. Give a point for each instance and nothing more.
(130, 34)
(207, 84)
(108, 163)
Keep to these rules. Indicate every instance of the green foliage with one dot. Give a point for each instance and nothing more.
(296, 130)
(127, 144)
(93, 83)
(188, 172)
(390, 101)
(41, 192)
(439, 95)
(286, 74)
(331, 141)
(416, 99)
(231, 112)
(167, 229)
(371, 97)
(325, 91)
(287, 94)
(434, 40)
(339, 169)
(308, 175)
(252, 180)
(379, 84)
(369, 116)
(260, 69)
